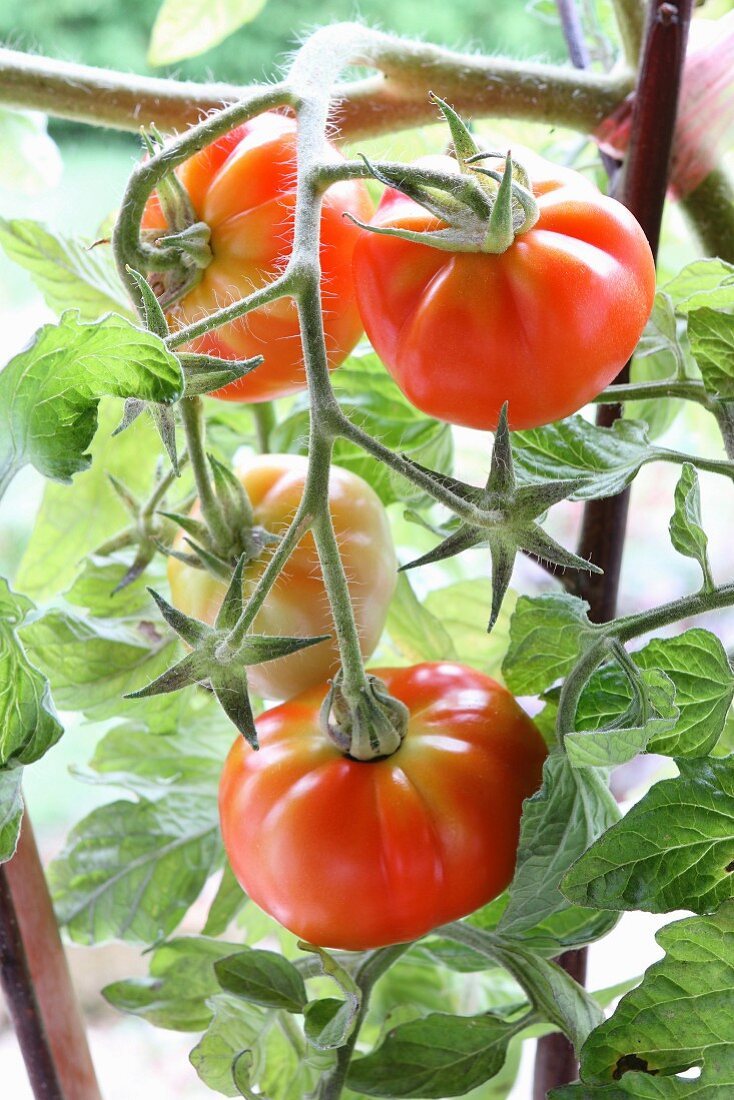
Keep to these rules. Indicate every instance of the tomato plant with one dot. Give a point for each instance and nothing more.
(545, 324)
(412, 818)
(359, 855)
(297, 603)
(243, 187)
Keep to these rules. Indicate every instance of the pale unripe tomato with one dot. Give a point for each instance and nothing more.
(297, 603)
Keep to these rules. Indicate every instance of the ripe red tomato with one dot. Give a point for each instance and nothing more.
(545, 325)
(297, 603)
(243, 187)
(359, 855)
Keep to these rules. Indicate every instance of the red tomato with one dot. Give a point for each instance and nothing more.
(297, 603)
(545, 325)
(358, 855)
(243, 187)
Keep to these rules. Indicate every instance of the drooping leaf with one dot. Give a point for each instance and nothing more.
(228, 901)
(686, 530)
(236, 1026)
(697, 665)
(49, 393)
(69, 274)
(673, 850)
(608, 746)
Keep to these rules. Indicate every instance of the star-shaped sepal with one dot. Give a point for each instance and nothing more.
(215, 662)
(506, 520)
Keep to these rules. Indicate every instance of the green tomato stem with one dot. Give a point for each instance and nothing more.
(192, 416)
(264, 415)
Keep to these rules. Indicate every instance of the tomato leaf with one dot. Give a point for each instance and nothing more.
(181, 978)
(686, 533)
(130, 870)
(612, 744)
(697, 664)
(69, 274)
(559, 823)
(460, 609)
(49, 393)
(415, 631)
(711, 334)
(11, 811)
(264, 978)
(547, 636)
(91, 662)
(228, 901)
(607, 458)
(673, 850)
(186, 28)
(438, 1056)
(708, 282)
(329, 1022)
(236, 1025)
(677, 1018)
(28, 721)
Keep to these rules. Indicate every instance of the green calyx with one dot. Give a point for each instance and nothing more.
(484, 209)
(215, 663)
(184, 242)
(236, 538)
(367, 723)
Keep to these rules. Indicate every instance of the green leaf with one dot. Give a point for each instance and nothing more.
(91, 662)
(707, 282)
(678, 1017)
(611, 745)
(461, 609)
(698, 667)
(414, 631)
(236, 1026)
(329, 1022)
(69, 274)
(50, 392)
(229, 900)
(711, 334)
(659, 355)
(11, 811)
(609, 458)
(547, 634)
(558, 824)
(29, 725)
(438, 1056)
(31, 161)
(175, 993)
(130, 870)
(371, 400)
(673, 850)
(186, 28)
(150, 764)
(686, 532)
(74, 520)
(264, 978)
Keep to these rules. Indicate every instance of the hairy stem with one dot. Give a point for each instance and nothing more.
(192, 415)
